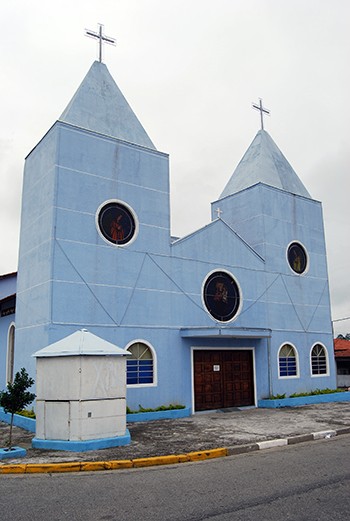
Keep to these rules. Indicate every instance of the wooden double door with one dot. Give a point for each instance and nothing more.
(223, 378)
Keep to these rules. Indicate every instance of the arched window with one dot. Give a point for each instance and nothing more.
(140, 366)
(287, 361)
(319, 360)
(10, 353)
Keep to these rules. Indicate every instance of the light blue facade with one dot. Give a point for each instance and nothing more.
(150, 290)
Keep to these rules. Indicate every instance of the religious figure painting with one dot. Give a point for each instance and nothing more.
(221, 296)
(116, 223)
(297, 258)
(117, 230)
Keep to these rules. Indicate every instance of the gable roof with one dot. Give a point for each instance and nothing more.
(80, 343)
(223, 240)
(100, 106)
(263, 162)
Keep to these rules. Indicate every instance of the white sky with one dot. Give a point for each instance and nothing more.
(191, 69)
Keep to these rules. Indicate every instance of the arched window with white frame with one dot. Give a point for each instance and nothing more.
(288, 366)
(319, 360)
(10, 358)
(141, 365)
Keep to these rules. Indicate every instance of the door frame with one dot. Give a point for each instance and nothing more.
(199, 348)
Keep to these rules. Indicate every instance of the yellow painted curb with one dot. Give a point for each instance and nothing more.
(160, 460)
(36, 468)
(207, 454)
(13, 469)
(88, 466)
(120, 464)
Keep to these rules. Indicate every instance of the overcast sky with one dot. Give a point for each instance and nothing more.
(191, 69)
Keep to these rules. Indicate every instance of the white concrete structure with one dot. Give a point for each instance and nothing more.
(81, 388)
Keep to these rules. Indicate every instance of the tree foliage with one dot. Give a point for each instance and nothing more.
(346, 337)
(17, 397)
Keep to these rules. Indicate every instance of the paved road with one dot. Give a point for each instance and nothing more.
(306, 482)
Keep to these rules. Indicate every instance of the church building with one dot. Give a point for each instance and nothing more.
(233, 313)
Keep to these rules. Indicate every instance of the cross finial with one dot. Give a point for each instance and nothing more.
(219, 212)
(262, 111)
(101, 39)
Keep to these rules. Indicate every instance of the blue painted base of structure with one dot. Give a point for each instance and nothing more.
(28, 424)
(172, 414)
(305, 400)
(82, 445)
(14, 452)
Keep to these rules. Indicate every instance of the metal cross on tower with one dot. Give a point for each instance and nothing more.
(101, 39)
(262, 111)
(219, 212)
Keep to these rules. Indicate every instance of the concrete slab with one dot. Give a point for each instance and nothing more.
(238, 430)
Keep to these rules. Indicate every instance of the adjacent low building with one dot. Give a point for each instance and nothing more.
(342, 359)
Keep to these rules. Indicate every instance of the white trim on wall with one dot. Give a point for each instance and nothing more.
(10, 353)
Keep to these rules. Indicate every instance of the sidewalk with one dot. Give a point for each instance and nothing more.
(231, 429)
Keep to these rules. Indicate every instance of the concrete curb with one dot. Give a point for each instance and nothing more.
(88, 466)
(292, 440)
(78, 466)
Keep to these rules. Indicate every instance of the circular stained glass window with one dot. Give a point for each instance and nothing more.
(221, 296)
(116, 223)
(297, 257)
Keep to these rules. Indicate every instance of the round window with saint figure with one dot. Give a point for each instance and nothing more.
(222, 296)
(297, 257)
(117, 222)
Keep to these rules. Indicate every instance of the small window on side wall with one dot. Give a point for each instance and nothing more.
(287, 361)
(140, 365)
(319, 365)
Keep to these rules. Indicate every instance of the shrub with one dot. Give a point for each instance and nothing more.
(169, 407)
(277, 396)
(16, 398)
(28, 413)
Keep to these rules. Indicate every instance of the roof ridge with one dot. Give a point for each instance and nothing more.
(264, 162)
(99, 105)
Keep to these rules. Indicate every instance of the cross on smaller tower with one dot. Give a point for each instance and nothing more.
(219, 212)
(101, 39)
(262, 111)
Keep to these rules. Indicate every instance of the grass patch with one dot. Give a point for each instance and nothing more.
(28, 413)
(169, 407)
(315, 392)
(277, 396)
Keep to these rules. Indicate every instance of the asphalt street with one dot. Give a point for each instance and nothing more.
(305, 482)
